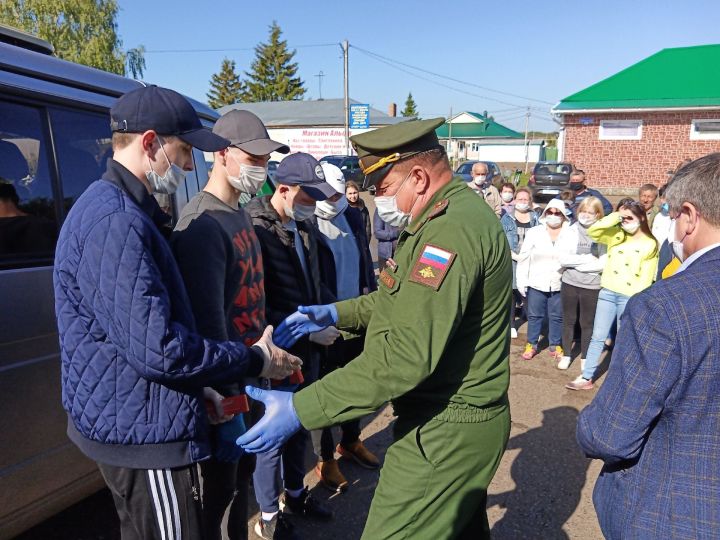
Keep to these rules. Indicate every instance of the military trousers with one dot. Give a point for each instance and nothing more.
(433, 484)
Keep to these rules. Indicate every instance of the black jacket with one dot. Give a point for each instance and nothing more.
(367, 222)
(285, 284)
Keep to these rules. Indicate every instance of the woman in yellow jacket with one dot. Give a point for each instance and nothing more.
(631, 265)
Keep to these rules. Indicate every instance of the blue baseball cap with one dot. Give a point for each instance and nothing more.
(301, 169)
(165, 112)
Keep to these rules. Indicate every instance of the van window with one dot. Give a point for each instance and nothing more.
(28, 226)
(82, 146)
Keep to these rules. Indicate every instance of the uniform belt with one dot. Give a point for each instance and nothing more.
(459, 413)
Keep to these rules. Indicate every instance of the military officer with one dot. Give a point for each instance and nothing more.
(436, 346)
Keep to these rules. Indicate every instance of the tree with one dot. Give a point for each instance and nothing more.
(410, 107)
(81, 31)
(273, 74)
(226, 87)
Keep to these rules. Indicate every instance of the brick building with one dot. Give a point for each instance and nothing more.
(635, 126)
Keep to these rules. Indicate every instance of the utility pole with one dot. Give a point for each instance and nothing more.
(320, 78)
(527, 123)
(450, 148)
(345, 47)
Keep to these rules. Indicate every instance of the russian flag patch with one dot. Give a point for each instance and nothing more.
(432, 266)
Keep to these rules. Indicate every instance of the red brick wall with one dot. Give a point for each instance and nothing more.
(629, 164)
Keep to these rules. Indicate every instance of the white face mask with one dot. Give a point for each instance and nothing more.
(299, 212)
(586, 219)
(553, 221)
(388, 209)
(251, 178)
(480, 179)
(328, 209)
(168, 182)
(506, 196)
(522, 207)
(675, 244)
(630, 228)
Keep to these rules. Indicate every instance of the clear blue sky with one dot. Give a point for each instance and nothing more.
(541, 50)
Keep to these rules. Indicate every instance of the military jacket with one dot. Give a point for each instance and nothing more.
(436, 330)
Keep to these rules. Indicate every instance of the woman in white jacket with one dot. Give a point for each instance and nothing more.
(539, 276)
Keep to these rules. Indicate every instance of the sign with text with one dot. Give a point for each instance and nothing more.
(359, 116)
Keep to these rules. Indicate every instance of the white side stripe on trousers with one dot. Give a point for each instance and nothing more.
(166, 508)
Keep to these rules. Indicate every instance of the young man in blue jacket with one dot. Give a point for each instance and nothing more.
(133, 365)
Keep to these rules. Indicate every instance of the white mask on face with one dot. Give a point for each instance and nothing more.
(630, 228)
(329, 209)
(553, 221)
(479, 179)
(250, 180)
(299, 212)
(675, 244)
(586, 219)
(522, 207)
(388, 209)
(506, 196)
(168, 182)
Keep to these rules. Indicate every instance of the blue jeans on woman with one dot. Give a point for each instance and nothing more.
(610, 308)
(539, 306)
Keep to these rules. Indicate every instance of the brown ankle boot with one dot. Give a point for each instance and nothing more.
(360, 454)
(330, 475)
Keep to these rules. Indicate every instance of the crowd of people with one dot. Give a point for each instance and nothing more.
(166, 329)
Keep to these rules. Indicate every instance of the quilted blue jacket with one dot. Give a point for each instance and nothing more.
(133, 367)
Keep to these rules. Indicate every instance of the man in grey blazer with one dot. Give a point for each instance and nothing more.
(656, 420)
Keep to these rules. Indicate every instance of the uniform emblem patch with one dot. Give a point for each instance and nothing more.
(432, 266)
(387, 279)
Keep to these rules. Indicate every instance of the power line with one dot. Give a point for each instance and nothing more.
(229, 49)
(446, 77)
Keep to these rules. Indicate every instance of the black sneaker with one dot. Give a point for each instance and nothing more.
(307, 506)
(278, 528)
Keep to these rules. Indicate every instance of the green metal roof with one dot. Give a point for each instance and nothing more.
(680, 77)
(486, 128)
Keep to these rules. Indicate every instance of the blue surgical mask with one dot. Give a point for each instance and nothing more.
(665, 209)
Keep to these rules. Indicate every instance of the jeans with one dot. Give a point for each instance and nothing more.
(579, 305)
(610, 308)
(540, 305)
(282, 467)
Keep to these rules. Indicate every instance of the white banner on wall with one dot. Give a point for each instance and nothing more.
(318, 142)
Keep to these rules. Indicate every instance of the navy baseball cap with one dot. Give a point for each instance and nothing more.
(167, 113)
(301, 169)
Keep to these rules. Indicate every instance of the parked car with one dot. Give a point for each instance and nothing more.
(549, 178)
(272, 167)
(464, 170)
(54, 142)
(349, 165)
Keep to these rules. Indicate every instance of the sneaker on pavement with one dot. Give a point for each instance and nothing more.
(557, 352)
(564, 362)
(360, 454)
(513, 333)
(330, 475)
(579, 384)
(278, 528)
(306, 505)
(530, 351)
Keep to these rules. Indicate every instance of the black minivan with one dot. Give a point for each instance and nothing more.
(54, 141)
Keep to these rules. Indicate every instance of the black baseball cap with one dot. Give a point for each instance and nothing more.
(166, 112)
(301, 169)
(246, 131)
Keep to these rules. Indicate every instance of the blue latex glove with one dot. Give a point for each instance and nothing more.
(226, 449)
(306, 320)
(276, 426)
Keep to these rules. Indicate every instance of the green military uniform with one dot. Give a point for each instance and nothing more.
(437, 346)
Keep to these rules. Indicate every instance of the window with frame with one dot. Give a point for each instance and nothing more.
(706, 129)
(620, 130)
(28, 220)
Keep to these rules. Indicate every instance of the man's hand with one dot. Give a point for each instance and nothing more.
(276, 426)
(277, 364)
(306, 320)
(325, 337)
(218, 415)
(226, 449)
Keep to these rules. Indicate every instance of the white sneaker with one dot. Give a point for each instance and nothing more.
(513, 333)
(564, 362)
